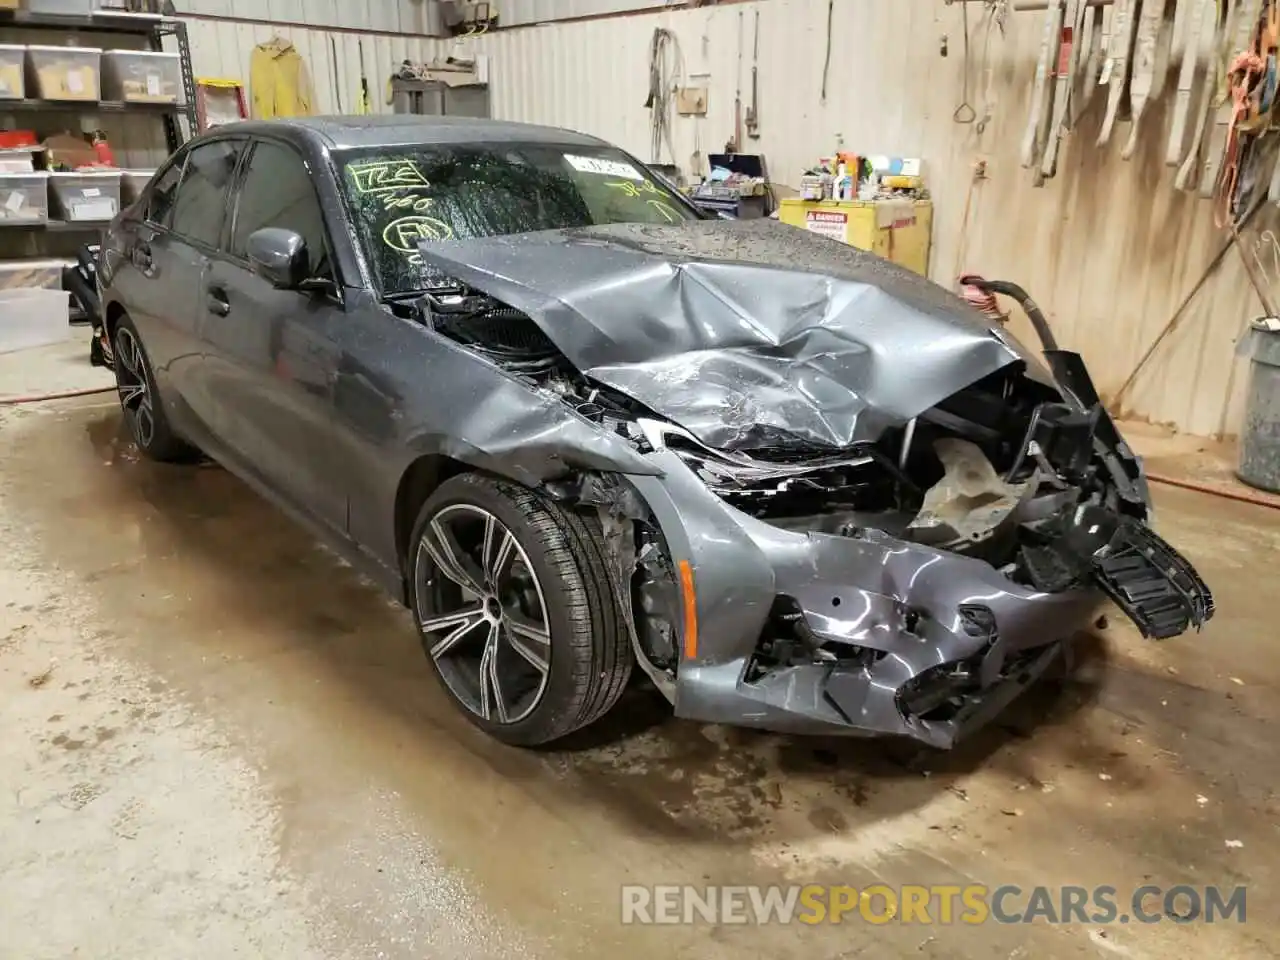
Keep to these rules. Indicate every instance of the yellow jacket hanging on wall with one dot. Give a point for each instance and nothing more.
(279, 81)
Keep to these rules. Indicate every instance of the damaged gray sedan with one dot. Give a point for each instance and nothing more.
(577, 428)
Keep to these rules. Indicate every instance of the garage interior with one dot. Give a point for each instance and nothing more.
(221, 740)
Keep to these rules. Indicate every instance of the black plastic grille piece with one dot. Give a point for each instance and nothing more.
(1152, 583)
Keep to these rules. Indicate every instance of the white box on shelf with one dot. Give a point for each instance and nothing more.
(142, 76)
(13, 78)
(76, 8)
(17, 161)
(85, 194)
(24, 198)
(33, 317)
(45, 274)
(64, 73)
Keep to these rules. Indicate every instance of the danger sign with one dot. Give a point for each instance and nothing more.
(829, 223)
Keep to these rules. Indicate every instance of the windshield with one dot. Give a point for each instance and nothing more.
(401, 195)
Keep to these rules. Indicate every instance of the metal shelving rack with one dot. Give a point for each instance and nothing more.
(155, 28)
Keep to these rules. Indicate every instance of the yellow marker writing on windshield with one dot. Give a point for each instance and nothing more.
(404, 235)
(386, 175)
(664, 208)
(407, 202)
(633, 189)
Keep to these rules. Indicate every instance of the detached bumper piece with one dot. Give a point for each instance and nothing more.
(1151, 582)
(1146, 578)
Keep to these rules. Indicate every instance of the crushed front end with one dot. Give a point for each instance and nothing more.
(865, 510)
(911, 586)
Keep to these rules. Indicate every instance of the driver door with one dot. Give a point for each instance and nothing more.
(274, 350)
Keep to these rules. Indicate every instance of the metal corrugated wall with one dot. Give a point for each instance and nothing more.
(223, 34)
(1109, 248)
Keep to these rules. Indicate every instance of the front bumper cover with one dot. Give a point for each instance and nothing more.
(930, 626)
(902, 601)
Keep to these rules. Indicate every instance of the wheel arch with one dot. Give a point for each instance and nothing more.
(111, 316)
(417, 483)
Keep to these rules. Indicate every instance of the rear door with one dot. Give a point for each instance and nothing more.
(271, 351)
(181, 256)
(156, 281)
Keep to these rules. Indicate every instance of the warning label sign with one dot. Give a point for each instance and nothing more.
(829, 223)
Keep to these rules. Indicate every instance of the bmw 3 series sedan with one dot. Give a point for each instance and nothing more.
(579, 429)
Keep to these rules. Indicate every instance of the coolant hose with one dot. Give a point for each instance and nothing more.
(1033, 312)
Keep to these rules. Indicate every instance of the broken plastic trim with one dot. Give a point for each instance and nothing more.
(1151, 582)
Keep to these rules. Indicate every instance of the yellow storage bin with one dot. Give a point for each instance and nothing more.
(898, 230)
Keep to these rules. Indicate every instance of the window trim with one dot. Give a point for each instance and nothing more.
(242, 175)
(178, 160)
(218, 245)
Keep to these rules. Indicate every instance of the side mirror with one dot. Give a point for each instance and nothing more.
(280, 257)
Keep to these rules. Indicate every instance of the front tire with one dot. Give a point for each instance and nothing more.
(139, 402)
(515, 609)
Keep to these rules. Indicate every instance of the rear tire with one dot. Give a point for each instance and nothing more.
(494, 569)
(140, 402)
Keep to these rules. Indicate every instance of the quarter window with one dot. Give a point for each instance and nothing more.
(201, 207)
(277, 192)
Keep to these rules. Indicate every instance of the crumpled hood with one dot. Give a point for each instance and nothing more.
(745, 333)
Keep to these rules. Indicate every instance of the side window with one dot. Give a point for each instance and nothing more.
(200, 209)
(163, 192)
(277, 192)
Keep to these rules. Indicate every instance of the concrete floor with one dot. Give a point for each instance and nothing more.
(216, 741)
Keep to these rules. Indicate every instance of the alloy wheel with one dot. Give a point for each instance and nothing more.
(134, 387)
(482, 613)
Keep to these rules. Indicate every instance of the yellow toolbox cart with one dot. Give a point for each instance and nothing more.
(898, 230)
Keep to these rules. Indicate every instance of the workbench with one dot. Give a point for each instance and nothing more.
(898, 230)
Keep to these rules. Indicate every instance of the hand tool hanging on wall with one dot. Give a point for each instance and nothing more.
(735, 145)
(1245, 83)
(1255, 153)
(1195, 22)
(337, 84)
(997, 15)
(1091, 60)
(1038, 120)
(365, 105)
(826, 59)
(1115, 71)
(1193, 164)
(1142, 75)
(1164, 49)
(753, 111)
(1064, 82)
(665, 63)
(1079, 62)
(1247, 14)
(964, 113)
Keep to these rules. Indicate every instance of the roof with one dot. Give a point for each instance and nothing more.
(372, 131)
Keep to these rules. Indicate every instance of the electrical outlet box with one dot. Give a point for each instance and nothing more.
(691, 101)
(468, 15)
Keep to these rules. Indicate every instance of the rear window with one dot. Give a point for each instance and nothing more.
(400, 196)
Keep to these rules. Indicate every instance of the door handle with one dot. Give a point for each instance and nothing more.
(216, 300)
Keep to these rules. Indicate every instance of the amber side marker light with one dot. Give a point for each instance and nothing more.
(690, 610)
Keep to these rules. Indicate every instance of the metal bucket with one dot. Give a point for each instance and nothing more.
(1260, 436)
